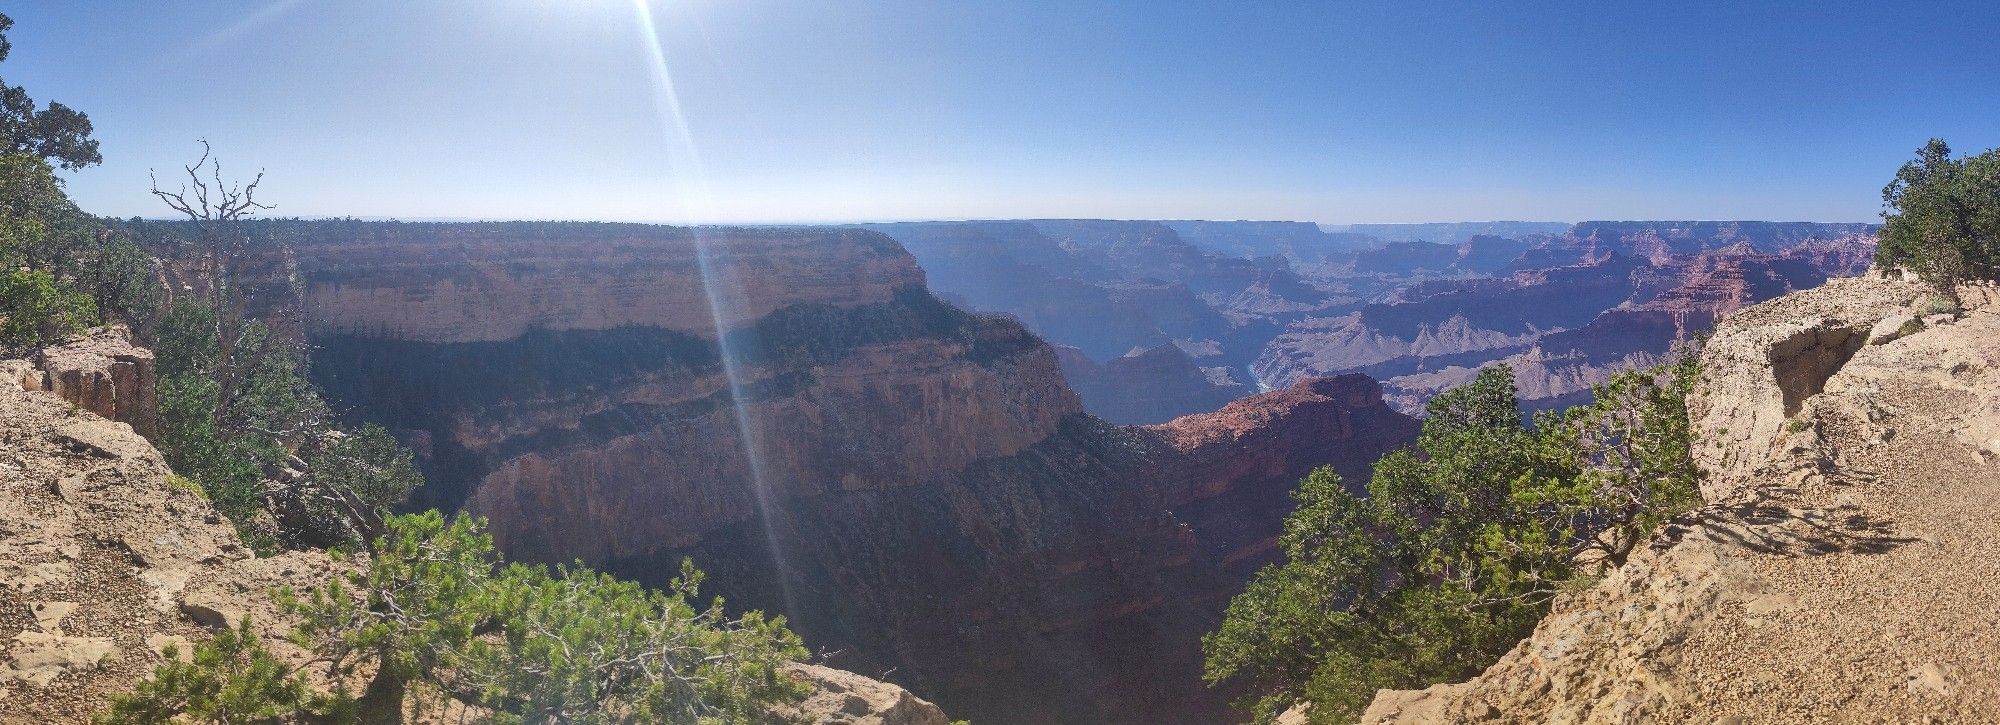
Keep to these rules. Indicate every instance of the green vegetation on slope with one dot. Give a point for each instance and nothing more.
(1460, 544)
(1944, 217)
(61, 270)
(436, 616)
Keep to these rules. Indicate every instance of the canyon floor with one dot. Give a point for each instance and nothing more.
(1844, 571)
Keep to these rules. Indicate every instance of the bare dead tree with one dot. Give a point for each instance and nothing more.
(217, 209)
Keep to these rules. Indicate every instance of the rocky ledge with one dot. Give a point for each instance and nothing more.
(1843, 568)
(100, 371)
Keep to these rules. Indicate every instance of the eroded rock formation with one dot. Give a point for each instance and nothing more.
(100, 371)
(1627, 297)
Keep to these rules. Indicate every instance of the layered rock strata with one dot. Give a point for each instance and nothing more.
(1623, 301)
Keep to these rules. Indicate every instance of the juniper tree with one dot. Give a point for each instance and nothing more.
(1459, 544)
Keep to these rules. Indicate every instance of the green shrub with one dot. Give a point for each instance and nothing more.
(1939, 305)
(231, 678)
(572, 645)
(1943, 217)
(1459, 545)
(231, 416)
(186, 484)
(1910, 327)
(40, 310)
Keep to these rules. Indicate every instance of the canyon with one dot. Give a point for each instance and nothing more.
(915, 486)
(1420, 306)
(936, 497)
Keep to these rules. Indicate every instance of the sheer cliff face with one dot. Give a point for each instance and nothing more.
(913, 484)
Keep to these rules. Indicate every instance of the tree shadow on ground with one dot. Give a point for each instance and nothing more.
(1767, 527)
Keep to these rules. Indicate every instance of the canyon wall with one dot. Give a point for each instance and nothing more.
(1420, 307)
(914, 485)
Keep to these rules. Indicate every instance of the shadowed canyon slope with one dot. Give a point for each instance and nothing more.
(915, 485)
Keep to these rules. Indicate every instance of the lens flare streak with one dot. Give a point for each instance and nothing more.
(691, 190)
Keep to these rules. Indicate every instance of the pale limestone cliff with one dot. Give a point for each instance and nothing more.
(493, 282)
(1843, 568)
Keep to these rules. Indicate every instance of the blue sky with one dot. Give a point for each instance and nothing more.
(839, 111)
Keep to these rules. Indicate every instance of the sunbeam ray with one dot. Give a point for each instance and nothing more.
(691, 191)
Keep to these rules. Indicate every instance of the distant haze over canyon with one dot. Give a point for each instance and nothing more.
(1162, 318)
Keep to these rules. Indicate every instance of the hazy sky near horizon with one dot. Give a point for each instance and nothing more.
(747, 111)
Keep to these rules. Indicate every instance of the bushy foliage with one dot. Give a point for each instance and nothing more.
(57, 132)
(39, 310)
(60, 270)
(228, 446)
(1459, 545)
(1943, 217)
(437, 614)
(584, 647)
(350, 483)
(232, 678)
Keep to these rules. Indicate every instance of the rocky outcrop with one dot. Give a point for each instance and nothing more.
(100, 371)
(103, 560)
(914, 485)
(845, 698)
(1840, 569)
